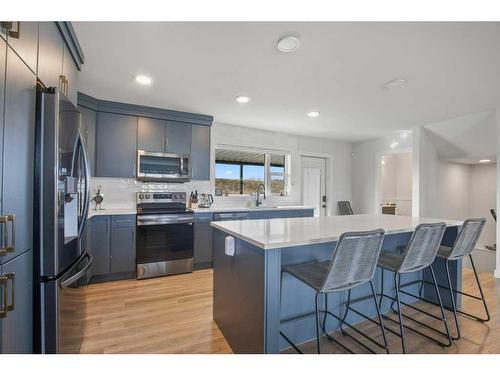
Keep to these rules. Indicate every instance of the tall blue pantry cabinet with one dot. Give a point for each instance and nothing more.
(29, 52)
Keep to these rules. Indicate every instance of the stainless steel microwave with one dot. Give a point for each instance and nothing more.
(160, 166)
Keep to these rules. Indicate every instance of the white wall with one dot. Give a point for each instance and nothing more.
(120, 192)
(497, 270)
(396, 181)
(337, 153)
(483, 198)
(443, 186)
(366, 170)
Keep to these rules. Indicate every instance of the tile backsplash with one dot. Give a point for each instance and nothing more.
(120, 192)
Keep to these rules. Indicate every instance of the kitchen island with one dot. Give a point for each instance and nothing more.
(251, 298)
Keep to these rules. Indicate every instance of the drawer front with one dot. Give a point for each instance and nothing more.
(203, 217)
(304, 213)
(122, 221)
(222, 216)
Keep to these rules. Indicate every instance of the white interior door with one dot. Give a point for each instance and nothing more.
(314, 184)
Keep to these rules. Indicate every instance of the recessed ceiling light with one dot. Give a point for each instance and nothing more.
(143, 80)
(394, 144)
(404, 135)
(484, 160)
(288, 44)
(313, 114)
(383, 162)
(395, 83)
(242, 99)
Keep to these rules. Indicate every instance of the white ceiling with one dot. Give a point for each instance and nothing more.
(452, 70)
(466, 139)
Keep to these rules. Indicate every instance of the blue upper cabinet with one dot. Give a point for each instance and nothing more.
(116, 147)
(25, 42)
(164, 136)
(89, 132)
(122, 129)
(69, 72)
(151, 134)
(50, 54)
(178, 138)
(18, 159)
(200, 152)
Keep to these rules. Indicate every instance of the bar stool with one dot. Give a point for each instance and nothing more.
(419, 255)
(353, 264)
(463, 246)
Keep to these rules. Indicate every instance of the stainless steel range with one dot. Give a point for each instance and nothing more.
(165, 237)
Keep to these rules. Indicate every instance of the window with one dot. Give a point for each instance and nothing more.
(240, 172)
(277, 174)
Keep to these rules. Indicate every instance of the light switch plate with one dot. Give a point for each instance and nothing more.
(229, 246)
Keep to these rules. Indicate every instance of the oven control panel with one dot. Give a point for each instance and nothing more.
(174, 197)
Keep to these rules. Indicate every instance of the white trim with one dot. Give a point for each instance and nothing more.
(497, 274)
(377, 176)
(328, 176)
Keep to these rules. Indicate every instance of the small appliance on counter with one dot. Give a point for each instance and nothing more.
(206, 200)
(98, 198)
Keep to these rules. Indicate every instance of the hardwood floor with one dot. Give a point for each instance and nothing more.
(174, 315)
(161, 315)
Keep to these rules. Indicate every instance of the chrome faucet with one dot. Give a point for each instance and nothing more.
(258, 202)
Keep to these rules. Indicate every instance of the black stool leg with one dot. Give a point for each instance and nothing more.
(326, 313)
(379, 317)
(318, 295)
(441, 305)
(398, 300)
(453, 305)
(346, 311)
(381, 289)
(480, 291)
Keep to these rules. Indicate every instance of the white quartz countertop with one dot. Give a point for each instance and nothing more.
(132, 211)
(251, 209)
(278, 233)
(111, 211)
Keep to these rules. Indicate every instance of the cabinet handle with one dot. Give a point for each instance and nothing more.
(8, 246)
(10, 276)
(3, 304)
(63, 84)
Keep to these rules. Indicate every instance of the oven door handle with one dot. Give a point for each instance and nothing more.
(156, 220)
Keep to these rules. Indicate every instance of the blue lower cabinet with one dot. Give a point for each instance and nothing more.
(113, 247)
(304, 213)
(258, 214)
(101, 245)
(123, 244)
(17, 324)
(203, 251)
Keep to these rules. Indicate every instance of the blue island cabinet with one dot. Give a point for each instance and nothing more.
(252, 300)
(203, 244)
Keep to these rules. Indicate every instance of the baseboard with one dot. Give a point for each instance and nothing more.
(202, 266)
(497, 274)
(112, 277)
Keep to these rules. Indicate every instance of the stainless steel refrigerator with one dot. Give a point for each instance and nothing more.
(62, 197)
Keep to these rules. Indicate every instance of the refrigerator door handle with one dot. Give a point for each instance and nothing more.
(83, 150)
(79, 274)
